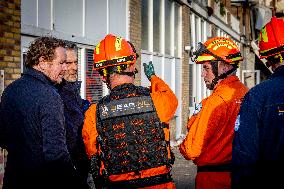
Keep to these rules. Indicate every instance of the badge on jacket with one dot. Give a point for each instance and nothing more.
(280, 110)
(197, 108)
(237, 123)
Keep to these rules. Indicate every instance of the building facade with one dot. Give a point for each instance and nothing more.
(163, 31)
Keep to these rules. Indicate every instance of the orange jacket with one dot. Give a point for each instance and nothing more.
(211, 128)
(165, 103)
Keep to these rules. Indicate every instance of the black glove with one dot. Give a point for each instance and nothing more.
(149, 70)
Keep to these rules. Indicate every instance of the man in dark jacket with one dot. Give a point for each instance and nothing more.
(33, 122)
(258, 146)
(74, 108)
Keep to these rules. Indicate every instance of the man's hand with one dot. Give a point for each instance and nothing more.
(149, 70)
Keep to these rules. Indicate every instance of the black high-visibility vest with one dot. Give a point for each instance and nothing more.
(131, 136)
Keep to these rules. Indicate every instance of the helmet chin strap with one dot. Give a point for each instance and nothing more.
(107, 81)
(131, 74)
(222, 76)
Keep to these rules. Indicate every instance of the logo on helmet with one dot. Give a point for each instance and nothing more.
(263, 35)
(97, 65)
(222, 45)
(118, 43)
(98, 49)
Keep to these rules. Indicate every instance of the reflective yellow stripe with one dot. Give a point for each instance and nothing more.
(204, 58)
(98, 48)
(264, 51)
(263, 35)
(236, 59)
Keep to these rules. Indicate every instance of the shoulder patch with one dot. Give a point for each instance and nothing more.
(126, 106)
(197, 109)
(237, 123)
(280, 110)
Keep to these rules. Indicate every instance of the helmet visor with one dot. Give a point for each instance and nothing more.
(201, 49)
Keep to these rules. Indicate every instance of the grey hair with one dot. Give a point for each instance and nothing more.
(71, 46)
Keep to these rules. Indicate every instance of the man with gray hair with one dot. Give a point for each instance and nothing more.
(74, 108)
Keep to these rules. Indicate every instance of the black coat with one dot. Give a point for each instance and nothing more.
(74, 108)
(33, 132)
(258, 145)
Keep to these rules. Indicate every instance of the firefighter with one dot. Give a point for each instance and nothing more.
(126, 134)
(258, 145)
(210, 129)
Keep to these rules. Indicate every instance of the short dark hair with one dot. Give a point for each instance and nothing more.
(69, 45)
(42, 47)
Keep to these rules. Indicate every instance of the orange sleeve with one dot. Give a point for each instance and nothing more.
(89, 131)
(164, 99)
(198, 126)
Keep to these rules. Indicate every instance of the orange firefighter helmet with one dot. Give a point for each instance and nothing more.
(218, 48)
(271, 38)
(113, 51)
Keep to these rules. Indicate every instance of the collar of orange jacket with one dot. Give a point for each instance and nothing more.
(226, 81)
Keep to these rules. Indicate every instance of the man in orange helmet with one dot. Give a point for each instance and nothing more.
(258, 145)
(127, 133)
(210, 130)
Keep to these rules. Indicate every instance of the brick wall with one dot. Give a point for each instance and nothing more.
(10, 50)
(10, 39)
(185, 66)
(135, 32)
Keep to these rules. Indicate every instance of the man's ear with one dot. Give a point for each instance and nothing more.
(131, 68)
(225, 67)
(42, 63)
(228, 67)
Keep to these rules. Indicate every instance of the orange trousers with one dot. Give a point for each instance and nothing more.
(213, 180)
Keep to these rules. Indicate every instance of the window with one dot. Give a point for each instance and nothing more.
(145, 23)
(197, 87)
(157, 25)
(161, 40)
(23, 65)
(79, 59)
(161, 43)
(203, 3)
(177, 28)
(250, 77)
(94, 87)
(192, 66)
(168, 28)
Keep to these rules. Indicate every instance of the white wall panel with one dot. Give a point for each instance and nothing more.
(158, 65)
(96, 19)
(82, 21)
(178, 93)
(117, 17)
(44, 14)
(68, 16)
(145, 58)
(169, 68)
(29, 8)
